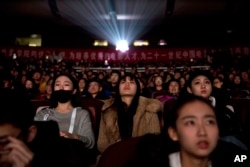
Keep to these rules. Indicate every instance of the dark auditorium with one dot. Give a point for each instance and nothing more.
(124, 83)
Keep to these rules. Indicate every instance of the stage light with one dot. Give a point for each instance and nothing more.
(100, 43)
(141, 43)
(113, 20)
(122, 46)
(162, 42)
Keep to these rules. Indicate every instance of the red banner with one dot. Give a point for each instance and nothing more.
(100, 55)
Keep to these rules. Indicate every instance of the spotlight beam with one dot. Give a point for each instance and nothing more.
(113, 21)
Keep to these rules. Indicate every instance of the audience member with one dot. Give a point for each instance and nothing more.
(74, 122)
(128, 114)
(22, 141)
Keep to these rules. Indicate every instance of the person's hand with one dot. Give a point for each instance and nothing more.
(68, 135)
(19, 155)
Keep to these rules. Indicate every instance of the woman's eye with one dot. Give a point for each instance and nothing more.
(208, 82)
(189, 123)
(211, 122)
(196, 83)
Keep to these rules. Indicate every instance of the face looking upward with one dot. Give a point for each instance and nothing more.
(200, 86)
(196, 129)
(64, 83)
(127, 87)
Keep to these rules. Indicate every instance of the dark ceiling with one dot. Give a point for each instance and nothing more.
(179, 22)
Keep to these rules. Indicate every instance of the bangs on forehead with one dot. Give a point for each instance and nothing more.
(201, 76)
(128, 78)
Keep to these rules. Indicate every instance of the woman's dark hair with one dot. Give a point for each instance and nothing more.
(172, 80)
(196, 73)
(75, 98)
(126, 113)
(172, 115)
(32, 81)
(143, 81)
(219, 78)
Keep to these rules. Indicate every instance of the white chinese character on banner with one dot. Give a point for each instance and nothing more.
(198, 54)
(134, 56)
(11, 51)
(143, 56)
(127, 57)
(191, 53)
(72, 56)
(34, 53)
(86, 56)
(19, 52)
(93, 56)
(40, 53)
(156, 55)
(112, 56)
(171, 55)
(120, 56)
(178, 55)
(185, 54)
(100, 56)
(78, 55)
(106, 56)
(26, 53)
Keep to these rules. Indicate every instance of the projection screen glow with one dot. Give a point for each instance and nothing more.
(113, 20)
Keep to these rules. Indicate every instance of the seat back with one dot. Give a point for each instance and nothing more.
(94, 107)
(39, 103)
(118, 154)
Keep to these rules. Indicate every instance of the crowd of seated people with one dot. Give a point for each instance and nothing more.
(103, 107)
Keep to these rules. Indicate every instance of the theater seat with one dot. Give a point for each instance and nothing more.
(118, 154)
(39, 103)
(94, 107)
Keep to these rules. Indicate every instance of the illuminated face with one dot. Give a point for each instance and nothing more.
(244, 76)
(196, 130)
(173, 87)
(28, 84)
(48, 89)
(182, 82)
(64, 83)
(127, 87)
(237, 80)
(5, 131)
(217, 83)
(81, 83)
(158, 81)
(94, 88)
(114, 78)
(36, 76)
(201, 86)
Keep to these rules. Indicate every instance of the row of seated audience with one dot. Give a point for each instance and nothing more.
(118, 110)
(128, 114)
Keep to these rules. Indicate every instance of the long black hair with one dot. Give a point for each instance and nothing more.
(126, 113)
